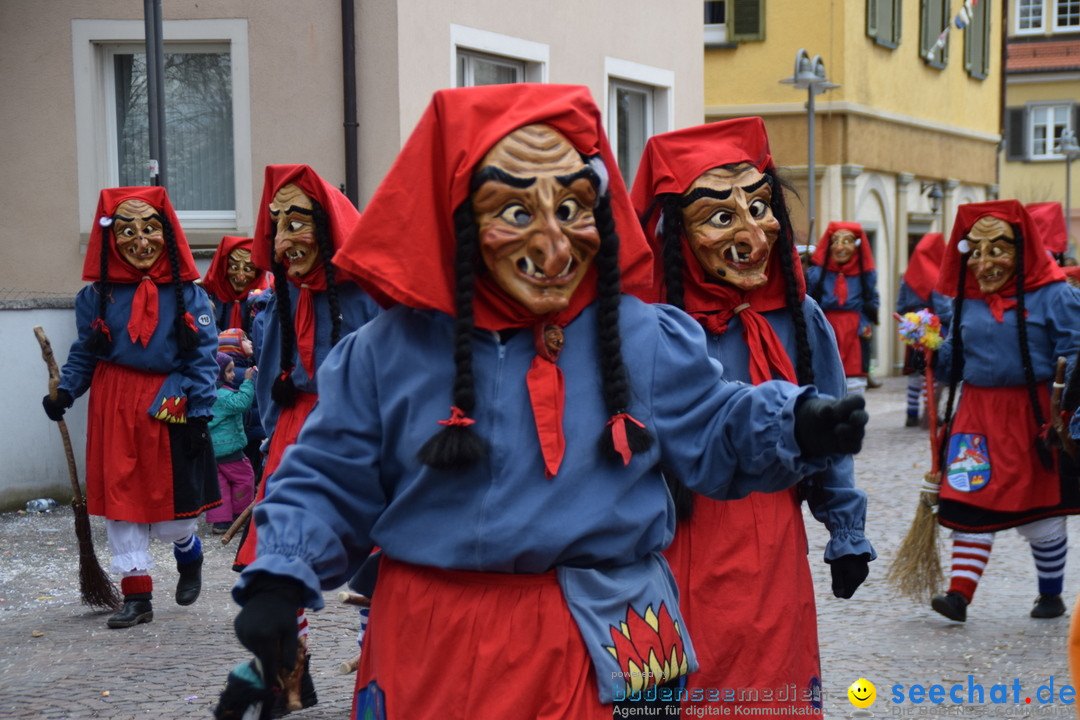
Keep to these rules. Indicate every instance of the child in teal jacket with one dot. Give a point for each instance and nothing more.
(236, 478)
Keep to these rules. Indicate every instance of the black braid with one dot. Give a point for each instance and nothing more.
(457, 447)
(671, 239)
(956, 368)
(283, 391)
(326, 249)
(616, 383)
(1025, 353)
(1071, 397)
(98, 343)
(186, 337)
(804, 356)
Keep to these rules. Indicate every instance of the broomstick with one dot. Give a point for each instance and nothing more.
(916, 570)
(95, 587)
(1061, 435)
(238, 524)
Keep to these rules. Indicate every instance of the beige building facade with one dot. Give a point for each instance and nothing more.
(256, 82)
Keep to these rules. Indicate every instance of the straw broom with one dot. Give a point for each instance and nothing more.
(916, 570)
(95, 587)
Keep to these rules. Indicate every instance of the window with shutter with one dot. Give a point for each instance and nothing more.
(1015, 134)
(977, 41)
(745, 20)
(883, 21)
(934, 20)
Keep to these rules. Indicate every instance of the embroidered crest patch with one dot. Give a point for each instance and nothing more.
(969, 462)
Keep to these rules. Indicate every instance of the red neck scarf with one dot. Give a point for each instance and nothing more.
(714, 304)
(496, 311)
(304, 319)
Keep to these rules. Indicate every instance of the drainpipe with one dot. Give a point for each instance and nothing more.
(348, 60)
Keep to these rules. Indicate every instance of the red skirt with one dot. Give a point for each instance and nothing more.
(136, 467)
(453, 644)
(286, 431)
(845, 325)
(747, 597)
(991, 463)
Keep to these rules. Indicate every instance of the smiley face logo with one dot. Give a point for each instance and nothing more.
(862, 693)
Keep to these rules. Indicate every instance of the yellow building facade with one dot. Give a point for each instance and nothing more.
(917, 114)
(1042, 90)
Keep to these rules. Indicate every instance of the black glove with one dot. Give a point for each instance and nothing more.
(918, 361)
(55, 408)
(197, 436)
(848, 573)
(872, 314)
(266, 625)
(827, 426)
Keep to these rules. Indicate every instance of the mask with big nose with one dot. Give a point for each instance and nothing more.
(729, 224)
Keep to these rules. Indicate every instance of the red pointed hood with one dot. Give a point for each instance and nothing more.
(671, 163)
(1039, 268)
(120, 271)
(924, 264)
(216, 280)
(340, 210)
(821, 257)
(402, 250)
(1050, 223)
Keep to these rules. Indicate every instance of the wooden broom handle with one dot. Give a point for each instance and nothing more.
(54, 383)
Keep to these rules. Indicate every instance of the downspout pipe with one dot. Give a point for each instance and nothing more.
(155, 90)
(348, 73)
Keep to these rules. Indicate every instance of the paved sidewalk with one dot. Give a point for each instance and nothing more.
(58, 660)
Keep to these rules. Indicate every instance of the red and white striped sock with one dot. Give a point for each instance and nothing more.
(301, 623)
(970, 553)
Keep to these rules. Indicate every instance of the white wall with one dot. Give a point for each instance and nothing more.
(32, 459)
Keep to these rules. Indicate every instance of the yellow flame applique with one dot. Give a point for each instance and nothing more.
(172, 410)
(648, 648)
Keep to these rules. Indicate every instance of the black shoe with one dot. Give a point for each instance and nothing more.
(133, 612)
(872, 383)
(952, 605)
(220, 528)
(1048, 606)
(190, 583)
(912, 421)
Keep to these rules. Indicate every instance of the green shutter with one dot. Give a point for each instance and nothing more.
(977, 40)
(1015, 133)
(746, 20)
(871, 18)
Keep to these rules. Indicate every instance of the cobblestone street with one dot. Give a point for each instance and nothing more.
(58, 660)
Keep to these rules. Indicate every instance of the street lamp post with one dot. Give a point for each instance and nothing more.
(1068, 147)
(810, 76)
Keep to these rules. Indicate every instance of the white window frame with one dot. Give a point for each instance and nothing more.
(661, 82)
(1020, 6)
(715, 33)
(1051, 143)
(471, 57)
(92, 43)
(1058, 26)
(473, 41)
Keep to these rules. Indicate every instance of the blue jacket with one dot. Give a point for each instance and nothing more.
(353, 481)
(839, 505)
(194, 373)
